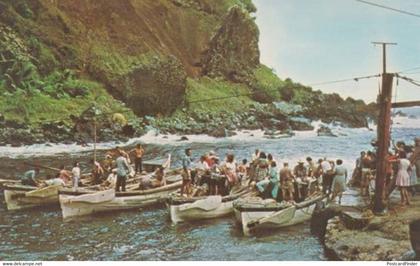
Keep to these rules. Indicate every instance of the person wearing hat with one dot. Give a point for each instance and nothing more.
(300, 170)
(211, 159)
(108, 164)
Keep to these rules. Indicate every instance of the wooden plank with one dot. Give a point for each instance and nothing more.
(406, 104)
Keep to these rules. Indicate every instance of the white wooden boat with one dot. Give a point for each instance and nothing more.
(19, 196)
(81, 203)
(256, 213)
(196, 208)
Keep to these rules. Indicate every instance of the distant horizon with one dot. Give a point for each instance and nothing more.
(316, 41)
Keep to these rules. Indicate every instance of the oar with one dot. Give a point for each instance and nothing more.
(2, 181)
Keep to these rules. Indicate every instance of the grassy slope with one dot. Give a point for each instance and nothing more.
(206, 88)
(38, 107)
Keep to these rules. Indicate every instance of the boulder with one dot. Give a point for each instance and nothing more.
(300, 123)
(154, 87)
(183, 138)
(221, 132)
(288, 108)
(325, 132)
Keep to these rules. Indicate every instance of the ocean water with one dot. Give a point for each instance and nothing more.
(148, 234)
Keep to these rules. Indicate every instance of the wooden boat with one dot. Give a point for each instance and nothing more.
(19, 196)
(255, 213)
(196, 208)
(85, 202)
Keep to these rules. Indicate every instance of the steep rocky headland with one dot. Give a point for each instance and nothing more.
(132, 65)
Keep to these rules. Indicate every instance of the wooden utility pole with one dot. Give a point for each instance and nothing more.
(384, 133)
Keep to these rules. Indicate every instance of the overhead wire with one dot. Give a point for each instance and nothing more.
(389, 8)
(410, 80)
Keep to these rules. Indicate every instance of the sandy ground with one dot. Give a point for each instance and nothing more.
(384, 238)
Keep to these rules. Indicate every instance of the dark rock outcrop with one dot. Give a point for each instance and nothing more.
(233, 51)
(157, 87)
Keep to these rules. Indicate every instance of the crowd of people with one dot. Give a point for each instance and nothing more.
(402, 170)
(212, 176)
(113, 171)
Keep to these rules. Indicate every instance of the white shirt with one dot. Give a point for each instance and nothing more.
(55, 182)
(326, 166)
(231, 166)
(203, 165)
(76, 172)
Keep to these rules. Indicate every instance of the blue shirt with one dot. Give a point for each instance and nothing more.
(186, 162)
(122, 166)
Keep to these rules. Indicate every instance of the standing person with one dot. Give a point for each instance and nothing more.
(123, 169)
(413, 178)
(120, 151)
(261, 170)
(318, 174)
(76, 174)
(300, 173)
(271, 182)
(64, 174)
(108, 164)
(366, 174)
(186, 175)
(97, 171)
(211, 158)
(138, 159)
(230, 170)
(339, 181)
(243, 169)
(311, 166)
(415, 157)
(326, 176)
(29, 178)
(357, 172)
(300, 170)
(270, 159)
(255, 155)
(287, 183)
(403, 177)
(390, 158)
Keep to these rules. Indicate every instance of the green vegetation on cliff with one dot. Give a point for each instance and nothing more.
(141, 58)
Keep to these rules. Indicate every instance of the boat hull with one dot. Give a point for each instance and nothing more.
(253, 220)
(19, 199)
(74, 206)
(178, 214)
(209, 207)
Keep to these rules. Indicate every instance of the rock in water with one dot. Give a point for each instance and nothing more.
(183, 138)
(325, 132)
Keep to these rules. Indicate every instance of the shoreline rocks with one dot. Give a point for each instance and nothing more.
(274, 121)
(382, 238)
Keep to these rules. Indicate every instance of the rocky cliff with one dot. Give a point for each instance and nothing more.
(135, 57)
